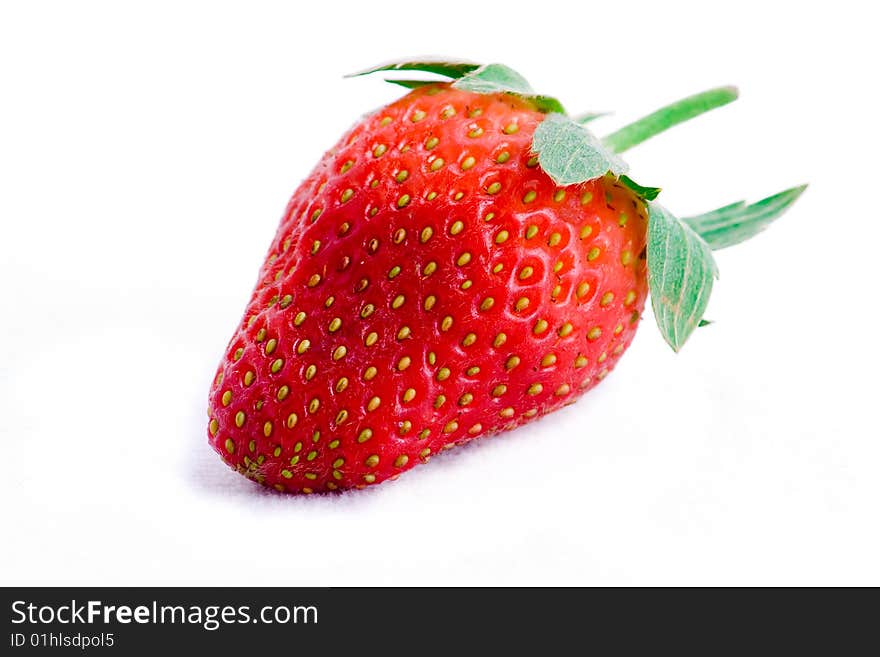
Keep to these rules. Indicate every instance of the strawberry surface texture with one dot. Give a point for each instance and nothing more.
(429, 284)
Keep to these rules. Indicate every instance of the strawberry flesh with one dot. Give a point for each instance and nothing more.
(428, 284)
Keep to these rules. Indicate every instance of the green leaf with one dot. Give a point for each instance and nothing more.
(570, 153)
(680, 275)
(666, 117)
(493, 78)
(546, 104)
(411, 84)
(498, 78)
(449, 69)
(647, 193)
(738, 222)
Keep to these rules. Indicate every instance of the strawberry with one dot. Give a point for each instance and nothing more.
(464, 260)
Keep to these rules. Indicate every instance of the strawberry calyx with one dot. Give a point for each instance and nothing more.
(468, 76)
(681, 268)
(498, 78)
(571, 154)
(737, 222)
(647, 193)
(448, 68)
(668, 116)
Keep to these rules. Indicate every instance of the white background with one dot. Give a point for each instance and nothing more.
(146, 154)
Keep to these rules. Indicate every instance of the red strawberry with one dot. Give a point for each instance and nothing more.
(430, 283)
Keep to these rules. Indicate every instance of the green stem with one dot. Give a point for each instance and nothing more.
(666, 117)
